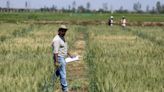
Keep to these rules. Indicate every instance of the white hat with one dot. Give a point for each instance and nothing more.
(111, 17)
(63, 27)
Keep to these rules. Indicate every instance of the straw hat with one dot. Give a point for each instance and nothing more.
(63, 27)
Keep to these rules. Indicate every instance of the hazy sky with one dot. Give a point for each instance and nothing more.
(94, 4)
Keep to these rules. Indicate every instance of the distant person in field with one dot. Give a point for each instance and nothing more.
(110, 21)
(60, 52)
(123, 21)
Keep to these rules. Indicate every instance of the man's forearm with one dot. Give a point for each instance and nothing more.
(55, 57)
(69, 54)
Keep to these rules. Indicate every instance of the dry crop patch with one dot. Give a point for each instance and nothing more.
(112, 37)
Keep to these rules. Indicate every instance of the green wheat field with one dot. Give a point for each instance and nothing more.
(116, 59)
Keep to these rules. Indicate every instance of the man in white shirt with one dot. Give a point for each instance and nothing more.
(60, 52)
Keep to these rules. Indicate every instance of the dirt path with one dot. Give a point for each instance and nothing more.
(77, 70)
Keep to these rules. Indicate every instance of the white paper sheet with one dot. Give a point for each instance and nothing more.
(69, 59)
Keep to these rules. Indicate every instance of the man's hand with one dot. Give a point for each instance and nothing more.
(56, 65)
(71, 56)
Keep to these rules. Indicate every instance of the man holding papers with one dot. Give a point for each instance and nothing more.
(59, 46)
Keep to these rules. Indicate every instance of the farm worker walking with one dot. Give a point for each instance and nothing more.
(123, 21)
(110, 21)
(59, 46)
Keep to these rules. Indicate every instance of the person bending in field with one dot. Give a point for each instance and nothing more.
(110, 21)
(59, 46)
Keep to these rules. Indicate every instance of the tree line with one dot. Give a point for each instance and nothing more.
(137, 8)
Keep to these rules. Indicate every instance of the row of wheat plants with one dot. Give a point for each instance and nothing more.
(122, 61)
(154, 34)
(26, 63)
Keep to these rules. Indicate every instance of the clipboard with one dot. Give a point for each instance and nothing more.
(73, 59)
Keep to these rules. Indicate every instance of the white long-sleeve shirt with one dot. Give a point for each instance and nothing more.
(123, 22)
(59, 46)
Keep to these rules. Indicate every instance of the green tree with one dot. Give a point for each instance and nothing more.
(105, 6)
(137, 7)
(158, 7)
(88, 6)
(162, 8)
(81, 8)
(8, 4)
(74, 6)
(147, 8)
